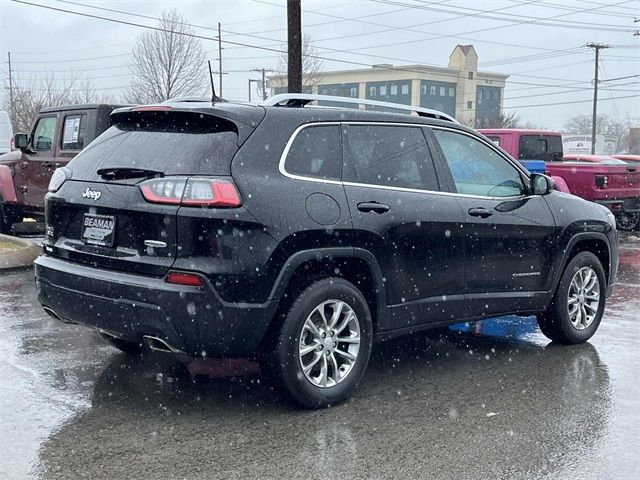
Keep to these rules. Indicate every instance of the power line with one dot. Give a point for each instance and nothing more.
(567, 103)
(526, 19)
(348, 62)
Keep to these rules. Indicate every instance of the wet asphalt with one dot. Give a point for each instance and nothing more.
(495, 401)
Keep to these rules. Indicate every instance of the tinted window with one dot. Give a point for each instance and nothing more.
(44, 133)
(386, 155)
(540, 147)
(157, 146)
(476, 168)
(315, 152)
(73, 132)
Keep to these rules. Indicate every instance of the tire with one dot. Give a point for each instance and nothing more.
(562, 323)
(628, 221)
(129, 348)
(335, 367)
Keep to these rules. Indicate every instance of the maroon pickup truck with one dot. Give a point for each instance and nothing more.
(613, 183)
(57, 135)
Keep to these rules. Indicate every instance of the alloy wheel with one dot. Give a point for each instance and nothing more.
(329, 343)
(584, 298)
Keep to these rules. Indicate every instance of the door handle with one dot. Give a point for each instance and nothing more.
(480, 212)
(374, 207)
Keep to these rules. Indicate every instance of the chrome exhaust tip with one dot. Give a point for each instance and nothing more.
(159, 345)
(49, 311)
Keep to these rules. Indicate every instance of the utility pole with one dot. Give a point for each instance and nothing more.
(220, 57)
(263, 71)
(10, 87)
(597, 47)
(294, 44)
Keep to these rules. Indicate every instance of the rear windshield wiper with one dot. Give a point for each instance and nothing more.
(120, 173)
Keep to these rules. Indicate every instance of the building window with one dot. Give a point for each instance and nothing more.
(470, 75)
(372, 91)
(353, 92)
(394, 89)
(479, 95)
(443, 91)
(452, 92)
(383, 89)
(469, 105)
(432, 90)
(405, 89)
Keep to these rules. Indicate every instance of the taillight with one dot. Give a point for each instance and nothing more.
(60, 175)
(192, 192)
(602, 181)
(183, 278)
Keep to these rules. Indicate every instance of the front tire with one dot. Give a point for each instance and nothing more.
(577, 307)
(323, 346)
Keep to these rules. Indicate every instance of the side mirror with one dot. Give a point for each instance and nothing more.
(21, 140)
(541, 184)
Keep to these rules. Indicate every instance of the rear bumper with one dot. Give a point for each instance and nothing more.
(190, 319)
(621, 205)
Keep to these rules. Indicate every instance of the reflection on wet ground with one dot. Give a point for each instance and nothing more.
(496, 401)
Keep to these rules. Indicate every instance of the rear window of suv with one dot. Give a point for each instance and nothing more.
(315, 152)
(176, 144)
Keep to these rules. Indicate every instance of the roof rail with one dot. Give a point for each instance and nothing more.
(302, 99)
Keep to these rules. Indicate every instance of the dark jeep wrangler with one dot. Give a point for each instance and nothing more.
(58, 135)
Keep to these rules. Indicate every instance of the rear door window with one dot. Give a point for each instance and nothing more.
(73, 131)
(315, 153)
(394, 156)
(44, 133)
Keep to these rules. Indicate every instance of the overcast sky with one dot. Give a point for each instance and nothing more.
(540, 43)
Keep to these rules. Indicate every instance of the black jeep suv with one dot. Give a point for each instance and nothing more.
(300, 235)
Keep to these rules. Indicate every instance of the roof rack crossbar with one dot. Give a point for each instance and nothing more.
(302, 99)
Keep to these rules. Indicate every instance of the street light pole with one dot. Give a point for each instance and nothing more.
(597, 47)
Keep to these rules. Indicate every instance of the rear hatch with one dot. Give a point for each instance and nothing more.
(118, 210)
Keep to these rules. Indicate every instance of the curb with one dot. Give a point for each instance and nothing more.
(20, 258)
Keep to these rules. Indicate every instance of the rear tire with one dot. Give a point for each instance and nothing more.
(321, 350)
(577, 307)
(129, 348)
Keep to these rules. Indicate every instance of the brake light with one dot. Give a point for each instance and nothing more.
(602, 181)
(182, 278)
(192, 192)
(60, 175)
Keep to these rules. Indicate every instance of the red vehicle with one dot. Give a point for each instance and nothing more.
(612, 182)
(626, 157)
(58, 135)
(602, 159)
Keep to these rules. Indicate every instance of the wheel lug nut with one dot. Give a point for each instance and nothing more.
(334, 344)
(324, 335)
(320, 347)
(328, 353)
(332, 333)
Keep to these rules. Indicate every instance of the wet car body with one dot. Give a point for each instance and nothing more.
(210, 281)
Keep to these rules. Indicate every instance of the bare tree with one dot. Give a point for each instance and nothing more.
(581, 124)
(33, 94)
(504, 120)
(312, 66)
(167, 63)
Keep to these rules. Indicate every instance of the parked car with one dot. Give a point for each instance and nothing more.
(6, 133)
(301, 235)
(601, 179)
(58, 135)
